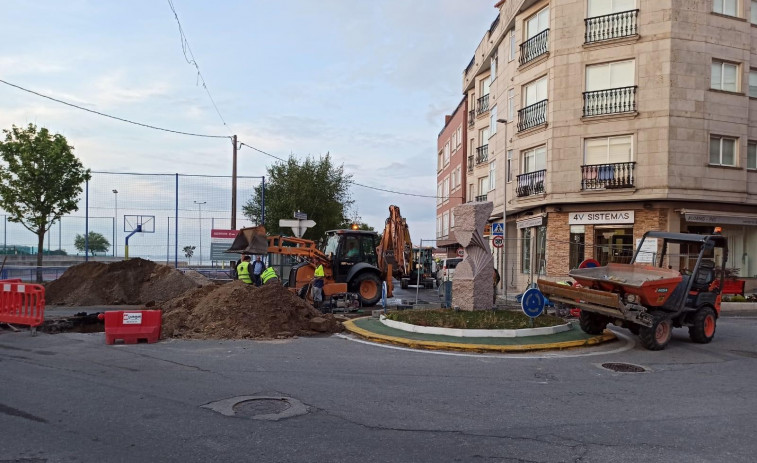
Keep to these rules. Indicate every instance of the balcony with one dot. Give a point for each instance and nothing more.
(610, 101)
(471, 118)
(534, 47)
(531, 183)
(532, 116)
(470, 163)
(481, 198)
(611, 26)
(482, 105)
(482, 154)
(607, 176)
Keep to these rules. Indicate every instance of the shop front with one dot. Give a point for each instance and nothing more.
(611, 234)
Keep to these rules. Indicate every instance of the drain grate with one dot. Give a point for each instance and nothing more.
(623, 367)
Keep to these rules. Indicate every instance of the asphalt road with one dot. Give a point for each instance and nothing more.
(69, 397)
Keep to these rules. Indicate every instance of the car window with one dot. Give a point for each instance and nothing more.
(452, 263)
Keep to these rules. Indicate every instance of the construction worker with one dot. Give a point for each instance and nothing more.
(243, 270)
(318, 286)
(257, 269)
(269, 276)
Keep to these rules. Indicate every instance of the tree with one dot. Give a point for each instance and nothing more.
(40, 180)
(189, 251)
(313, 186)
(97, 243)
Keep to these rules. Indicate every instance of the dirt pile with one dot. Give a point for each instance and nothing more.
(238, 311)
(132, 282)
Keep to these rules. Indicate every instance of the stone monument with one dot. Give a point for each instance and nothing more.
(473, 284)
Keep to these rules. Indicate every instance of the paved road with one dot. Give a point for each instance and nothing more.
(70, 397)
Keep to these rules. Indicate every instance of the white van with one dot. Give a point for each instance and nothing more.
(446, 269)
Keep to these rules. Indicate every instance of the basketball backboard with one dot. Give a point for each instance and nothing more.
(132, 223)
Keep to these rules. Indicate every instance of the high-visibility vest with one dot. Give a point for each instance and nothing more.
(243, 272)
(319, 271)
(268, 274)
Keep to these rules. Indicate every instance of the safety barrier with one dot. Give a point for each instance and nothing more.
(22, 304)
(132, 326)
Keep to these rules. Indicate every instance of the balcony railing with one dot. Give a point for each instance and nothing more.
(534, 47)
(470, 163)
(482, 105)
(610, 101)
(532, 116)
(471, 118)
(531, 183)
(611, 26)
(481, 198)
(482, 154)
(615, 175)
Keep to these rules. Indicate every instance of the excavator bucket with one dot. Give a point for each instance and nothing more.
(251, 240)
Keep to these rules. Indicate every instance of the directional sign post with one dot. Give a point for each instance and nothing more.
(532, 303)
(298, 226)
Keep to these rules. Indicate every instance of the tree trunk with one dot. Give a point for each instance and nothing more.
(40, 249)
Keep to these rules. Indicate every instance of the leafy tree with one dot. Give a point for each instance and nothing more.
(314, 186)
(97, 243)
(40, 180)
(189, 251)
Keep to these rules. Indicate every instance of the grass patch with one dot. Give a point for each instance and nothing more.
(477, 319)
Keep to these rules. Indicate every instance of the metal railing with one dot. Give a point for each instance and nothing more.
(531, 183)
(534, 47)
(482, 154)
(532, 116)
(611, 26)
(471, 118)
(482, 198)
(482, 105)
(470, 163)
(610, 101)
(611, 175)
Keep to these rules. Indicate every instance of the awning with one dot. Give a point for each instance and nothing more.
(719, 217)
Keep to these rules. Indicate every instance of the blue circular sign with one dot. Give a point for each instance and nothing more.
(532, 302)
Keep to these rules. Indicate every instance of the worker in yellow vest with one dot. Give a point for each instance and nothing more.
(243, 270)
(318, 286)
(269, 276)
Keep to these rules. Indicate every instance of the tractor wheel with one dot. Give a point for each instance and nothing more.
(592, 323)
(368, 287)
(634, 328)
(657, 336)
(703, 329)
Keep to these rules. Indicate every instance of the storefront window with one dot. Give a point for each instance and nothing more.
(577, 247)
(613, 244)
(541, 250)
(525, 255)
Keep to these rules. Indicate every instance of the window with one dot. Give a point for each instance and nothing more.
(439, 192)
(610, 75)
(751, 155)
(438, 226)
(446, 153)
(452, 180)
(509, 167)
(753, 11)
(493, 120)
(753, 81)
(603, 7)
(725, 76)
(511, 104)
(351, 249)
(492, 175)
(722, 151)
(445, 192)
(483, 136)
(608, 150)
(535, 159)
(452, 219)
(459, 136)
(485, 86)
(494, 69)
(368, 248)
(459, 176)
(483, 185)
(445, 224)
(535, 92)
(525, 256)
(454, 142)
(513, 47)
(537, 23)
(727, 7)
(470, 192)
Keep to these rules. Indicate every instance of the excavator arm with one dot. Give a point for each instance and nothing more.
(395, 256)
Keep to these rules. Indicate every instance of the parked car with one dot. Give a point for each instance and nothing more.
(446, 269)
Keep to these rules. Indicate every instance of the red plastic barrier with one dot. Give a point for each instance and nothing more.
(132, 326)
(22, 304)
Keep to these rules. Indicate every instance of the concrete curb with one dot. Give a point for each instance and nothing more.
(472, 333)
(438, 345)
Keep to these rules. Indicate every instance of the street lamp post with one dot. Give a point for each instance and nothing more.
(199, 210)
(504, 214)
(115, 225)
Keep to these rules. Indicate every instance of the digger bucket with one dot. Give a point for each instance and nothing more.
(251, 240)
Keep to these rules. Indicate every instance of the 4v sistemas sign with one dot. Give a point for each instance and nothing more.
(601, 217)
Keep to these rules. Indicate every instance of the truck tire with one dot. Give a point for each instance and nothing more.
(592, 323)
(404, 283)
(657, 336)
(703, 329)
(368, 287)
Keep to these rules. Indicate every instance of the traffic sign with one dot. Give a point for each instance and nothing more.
(487, 229)
(498, 229)
(498, 242)
(532, 302)
(589, 263)
(300, 215)
(460, 252)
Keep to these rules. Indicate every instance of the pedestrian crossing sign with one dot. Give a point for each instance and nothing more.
(498, 229)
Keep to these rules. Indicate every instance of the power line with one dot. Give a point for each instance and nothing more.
(185, 48)
(112, 117)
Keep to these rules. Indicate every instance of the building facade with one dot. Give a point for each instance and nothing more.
(451, 177)
(593, 121)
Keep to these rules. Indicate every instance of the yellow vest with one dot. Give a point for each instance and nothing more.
(243, 272)
(319, 271)
(268, 274)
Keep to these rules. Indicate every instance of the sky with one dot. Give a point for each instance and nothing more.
(367, 82)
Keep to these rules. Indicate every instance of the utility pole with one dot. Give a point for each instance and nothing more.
(234, 184)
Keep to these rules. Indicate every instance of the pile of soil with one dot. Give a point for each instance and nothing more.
(240, 311)
(132, 282)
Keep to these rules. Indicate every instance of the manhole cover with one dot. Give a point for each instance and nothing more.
(269, 408)
(624, 367)
(253, 408)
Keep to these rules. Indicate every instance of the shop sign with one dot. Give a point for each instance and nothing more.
(600, 217)
(720, 219)
(530, 222)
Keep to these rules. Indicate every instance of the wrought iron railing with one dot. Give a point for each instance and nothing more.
(611, 26)
(612, 175)
(610, 101)
(482, 154)
(470, 163)
(482, 105)
(532, 116)
(471, 118)
(534, 47)
(531, 183)
(481, 198)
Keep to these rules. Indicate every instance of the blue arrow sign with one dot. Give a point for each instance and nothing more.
(532, 302)
(498, 229)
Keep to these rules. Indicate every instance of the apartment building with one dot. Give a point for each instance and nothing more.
(451, 176)
(609, 118)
